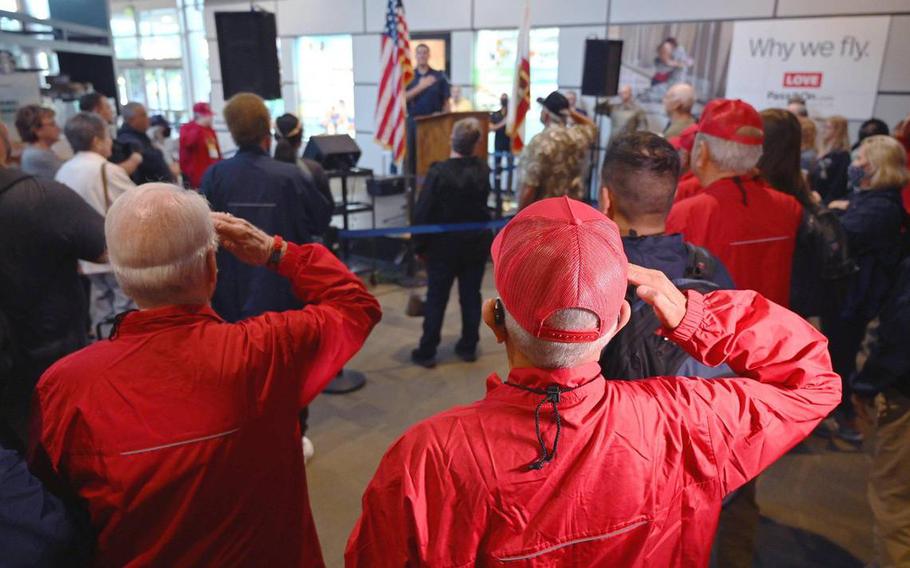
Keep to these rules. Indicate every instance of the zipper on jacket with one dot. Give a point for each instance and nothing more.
(554, 548)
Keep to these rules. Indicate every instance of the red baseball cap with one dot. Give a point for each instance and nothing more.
(558, 254)
(732, 120)
(686, 139)
(203, 108)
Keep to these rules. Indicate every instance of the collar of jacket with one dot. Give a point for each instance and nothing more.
(541, 378)
(157, 319)
(253, 149)
(127, 129)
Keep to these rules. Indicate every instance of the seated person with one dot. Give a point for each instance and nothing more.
(181, 432)
(454, 191)
(558, 466)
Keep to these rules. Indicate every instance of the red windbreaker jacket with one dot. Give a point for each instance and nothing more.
(752, 230)
(181, 433)
(199, 149)
(641, 467)
(688, 186)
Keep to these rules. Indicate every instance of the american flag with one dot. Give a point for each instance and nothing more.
(397, 72)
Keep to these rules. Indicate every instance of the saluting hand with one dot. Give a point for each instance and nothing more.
(242, 239)
(658, 291)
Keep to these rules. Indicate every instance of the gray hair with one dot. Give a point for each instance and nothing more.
(728, 156)
(554, 355)
(130, 110)
(465, 135)
(82, 129)
(682, 94)
(159, 237)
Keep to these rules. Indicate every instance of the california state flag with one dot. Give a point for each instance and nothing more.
(521, 90)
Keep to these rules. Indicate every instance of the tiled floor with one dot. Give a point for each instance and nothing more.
(812, 500)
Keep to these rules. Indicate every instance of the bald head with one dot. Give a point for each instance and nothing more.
(680, 98)
(161, 244)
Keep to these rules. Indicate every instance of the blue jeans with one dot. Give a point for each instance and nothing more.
(441, 274)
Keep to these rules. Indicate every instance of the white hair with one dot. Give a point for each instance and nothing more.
(728, 156)
(555, 355)
(682, 94)
(159, 237)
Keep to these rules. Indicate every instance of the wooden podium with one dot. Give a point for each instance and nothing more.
(434, 138)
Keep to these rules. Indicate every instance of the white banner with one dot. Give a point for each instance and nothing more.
(834, 63)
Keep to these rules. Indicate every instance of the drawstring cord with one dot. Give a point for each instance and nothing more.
(117, 321)
(552, 395)
(739, 184)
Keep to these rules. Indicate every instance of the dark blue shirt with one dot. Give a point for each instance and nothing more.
(276, 197)
(431, 100)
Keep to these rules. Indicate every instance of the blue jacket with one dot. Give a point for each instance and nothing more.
(275, 197)
(873, 226)
(670, 255)
(153, 167)
(35, 528)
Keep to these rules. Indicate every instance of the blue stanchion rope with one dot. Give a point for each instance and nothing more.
(423, 229)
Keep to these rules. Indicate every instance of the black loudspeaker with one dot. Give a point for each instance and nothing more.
(85, 68)
(247, 46)
(389, 185)
(603, 58)
(333, 151)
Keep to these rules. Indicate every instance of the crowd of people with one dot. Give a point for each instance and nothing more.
(167, 317)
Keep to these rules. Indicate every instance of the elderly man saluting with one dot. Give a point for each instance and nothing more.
(557, 466)
(180, 433)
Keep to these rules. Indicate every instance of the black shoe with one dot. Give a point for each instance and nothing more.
(419, 358)
(467, 355)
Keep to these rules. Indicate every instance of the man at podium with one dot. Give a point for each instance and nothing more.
(428, 93)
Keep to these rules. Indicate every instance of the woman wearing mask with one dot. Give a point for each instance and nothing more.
(872, 219)
(829, 175)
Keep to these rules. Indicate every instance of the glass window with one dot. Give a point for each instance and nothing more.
(123, 23)
(195, 21)
(159, 22)
(326, 69)
(494, 69)
(126, 47)
(9, 5)
(160, 47)
(199, 66)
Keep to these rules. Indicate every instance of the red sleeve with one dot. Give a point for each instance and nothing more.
(788, 388)
(312, 344)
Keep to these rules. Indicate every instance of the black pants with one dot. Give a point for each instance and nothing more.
(845, 337)
(441, 274)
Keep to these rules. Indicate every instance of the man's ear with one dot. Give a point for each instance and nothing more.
(605, 201)
(212, 266)
(625, 312)
(699, 157)
(489, 318)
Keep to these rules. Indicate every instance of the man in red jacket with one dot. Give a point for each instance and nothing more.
(688, 184)
(199, 147)
(181, 432)
(748, 225)
(557, 466)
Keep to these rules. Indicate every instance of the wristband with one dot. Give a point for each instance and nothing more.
(275, 255)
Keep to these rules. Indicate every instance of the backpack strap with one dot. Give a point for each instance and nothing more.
(701, 265)
(10, 177)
